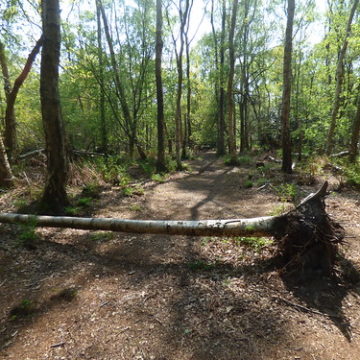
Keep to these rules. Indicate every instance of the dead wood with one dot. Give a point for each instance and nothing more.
(334, 168)
(31, 153)
(341, 154)
(307, 237)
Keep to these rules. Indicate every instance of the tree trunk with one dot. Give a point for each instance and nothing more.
(307, 237)
(6, 175)
(183, 16)
(10, 136)
(103, 125)
(160, 163)
(119, 87)
(285, 108)
(219, 85)
(339, 81)
(244, 120)
(355, 135)
(230, 98)
(187, 121)
(54, 198)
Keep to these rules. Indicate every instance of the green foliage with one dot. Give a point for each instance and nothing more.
(352, 173)
(229, 161)
(135, 207)
(133, 190)
(148, 166)
(67, 294)
(287, 192)
(256, 243)
(245, 159)
(91, 191)
(170, 164)
(72, 210)
(241, 160)
(280, 209)
(200, 265)
(84, 201)
(261, 181)
(25, 308)
(27, 235)
(20, 203)
(158, 178)
(114, 170)
(248, 184)
(100, 236)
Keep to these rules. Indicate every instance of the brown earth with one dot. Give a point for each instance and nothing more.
(99, 295)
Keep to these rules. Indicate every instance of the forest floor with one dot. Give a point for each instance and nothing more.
(98, 295)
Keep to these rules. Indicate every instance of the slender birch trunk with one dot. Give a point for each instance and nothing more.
(230, 99)
(161, 163)
(339, 81)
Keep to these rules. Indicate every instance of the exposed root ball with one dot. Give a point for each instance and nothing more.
(308, 238)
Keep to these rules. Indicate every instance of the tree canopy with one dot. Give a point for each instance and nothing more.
(221, 76)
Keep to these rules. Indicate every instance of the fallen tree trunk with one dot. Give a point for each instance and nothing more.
(306, 236)
(234, 227)
(31, 153)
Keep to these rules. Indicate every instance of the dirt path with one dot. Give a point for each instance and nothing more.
(98, 295)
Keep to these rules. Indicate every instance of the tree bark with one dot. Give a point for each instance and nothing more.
(10, 136)
(230, 99)
(6, 175)
(355, 135)
(183, 16)
(244, 103)
(339, 81)
(285, 108)
(103, 125)
(187, 123)
(160, 163)
(119, 87)
(221, 115)
(54, 198)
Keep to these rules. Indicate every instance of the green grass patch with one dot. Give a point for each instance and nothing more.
(240, 160)
(256, 243)
(160, 178)
(91, 190)
(21, 203)
(135, 207)
(72, 211)
(200, 265)
(352, 174)
(27, 236)
(133, 190)
(100, 236)
(280, 209)
(25, 308)
(84, 201)
(248, 184)
(261, 181)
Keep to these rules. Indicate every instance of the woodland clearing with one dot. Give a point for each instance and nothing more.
(79, 294)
